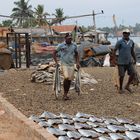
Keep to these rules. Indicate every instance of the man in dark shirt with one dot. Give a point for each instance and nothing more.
(126, 59)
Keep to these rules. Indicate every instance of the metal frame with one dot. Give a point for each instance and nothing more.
(16, 39)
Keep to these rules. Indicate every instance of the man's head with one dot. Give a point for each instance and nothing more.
(126, 33)
(68, 38)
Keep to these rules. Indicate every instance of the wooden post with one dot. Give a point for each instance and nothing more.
(94, 22)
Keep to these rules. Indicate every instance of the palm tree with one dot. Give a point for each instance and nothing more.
(59, 15)
(22, 12)
(40, 15)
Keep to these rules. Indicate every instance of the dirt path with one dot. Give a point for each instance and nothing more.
(99, 99)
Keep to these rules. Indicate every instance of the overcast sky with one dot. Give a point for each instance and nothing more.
(127, 12)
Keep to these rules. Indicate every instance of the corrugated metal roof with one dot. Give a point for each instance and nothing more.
(64, 28)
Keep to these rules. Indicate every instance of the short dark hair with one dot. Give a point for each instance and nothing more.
(68, 34)
(126, 33)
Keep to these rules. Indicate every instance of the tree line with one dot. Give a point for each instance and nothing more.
(24, 15)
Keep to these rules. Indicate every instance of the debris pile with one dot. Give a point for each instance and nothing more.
(87, 127)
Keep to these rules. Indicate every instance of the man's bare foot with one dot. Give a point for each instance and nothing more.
(66, 98)
(129, 89)
(121, 91)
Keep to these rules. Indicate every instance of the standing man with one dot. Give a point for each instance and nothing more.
(126, 59)
(69, 57)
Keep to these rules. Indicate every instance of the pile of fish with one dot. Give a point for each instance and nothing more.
(45, 74)
(87, 127)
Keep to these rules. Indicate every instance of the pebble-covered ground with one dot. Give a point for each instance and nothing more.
(100, 99)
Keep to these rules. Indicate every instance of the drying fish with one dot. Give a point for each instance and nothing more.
(100, 124)
(102, 130)
(124, 121)
(41, 76)
(88, 133)
(82, 115)
(48, 115)
(83, 138)
(133, 135)
(115, 128)
(54, 121)
(89, 81)
(138, 125)
(81, 125)
(57, 82)
(92, 124)
(112, 121)
(95, 119)
(66, 127)
(73, 134)
(132, 127)
(116, 136)
(65, 116)
(64, 138)
(35, 118)
(82, 120)
(68, 121)
(78, 82)
(44, 124)
(56, 132)
(104, 138)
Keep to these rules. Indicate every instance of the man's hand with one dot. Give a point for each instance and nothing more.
(78, 66)
(134, 62)
(57, 65)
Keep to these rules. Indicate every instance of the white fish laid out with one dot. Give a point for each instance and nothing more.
(124, 121)
(66, 116)
(102, 130)
(82, 115)
(115, 128)
(89, 133)
(66, 127)
(54, 121)
(132, 127)
(48, 115)
(63, 138)
(138, 125)
(44, 124)
(104, 138)
(112, 121)
(133, 135)
(100, 124)
(116, 136)
(81, 125)
(92, 124)
(73, 134)
(83, 138)
(35, 118)
(67, 121)
(56, 132)
(89, 81)
(95, 119)
(82, 120)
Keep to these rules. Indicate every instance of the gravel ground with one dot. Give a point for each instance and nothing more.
(99, 99)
